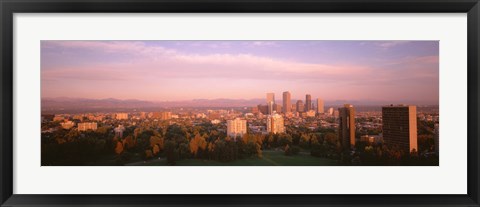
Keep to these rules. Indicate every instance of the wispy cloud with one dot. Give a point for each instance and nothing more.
(140, 68)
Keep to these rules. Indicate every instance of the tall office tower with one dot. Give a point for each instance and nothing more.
(320, 106)
(300, 106)
(436, 137)
(236, 127)
(308, 102)
(400, 127)
(275, 124)
(346, 126)
(277, 108)
(270, 102)
(270, 97)
(271, 107)
(287, 102)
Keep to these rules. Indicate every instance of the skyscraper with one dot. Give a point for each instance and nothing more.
(271, 107)
(277, 108)
(400, 127)
(308, 102)
(270, 102)
(300, 106)
(346, 126)
(236, 127)
(320, 106)
(275, 124)
(271, 97)
(287, 104)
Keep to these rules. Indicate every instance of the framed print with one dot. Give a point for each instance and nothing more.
(261, 103)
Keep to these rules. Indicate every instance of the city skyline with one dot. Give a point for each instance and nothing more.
(383, 71)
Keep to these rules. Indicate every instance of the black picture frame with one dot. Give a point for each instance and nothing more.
(10, 7)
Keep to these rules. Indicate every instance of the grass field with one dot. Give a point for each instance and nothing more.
(270, 158)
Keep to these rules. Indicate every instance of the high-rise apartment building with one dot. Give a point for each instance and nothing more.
(287, 102)
(236, 127)
(346, 126)
(275, 124)
(320, 106)
(308, 102)
(400, 127)
(300, 106)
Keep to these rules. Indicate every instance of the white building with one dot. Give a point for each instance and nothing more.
(236, 127)
(275, 124)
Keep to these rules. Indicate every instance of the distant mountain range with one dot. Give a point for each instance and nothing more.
(81, 104)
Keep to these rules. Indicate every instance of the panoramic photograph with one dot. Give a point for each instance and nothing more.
(239, 103)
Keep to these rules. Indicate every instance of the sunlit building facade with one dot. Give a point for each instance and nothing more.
(300, 106)
(320, 106)
(275, 124)
(87, 126)
(121, 116)
(236, 127)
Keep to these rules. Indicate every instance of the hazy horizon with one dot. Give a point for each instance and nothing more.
(158, 71)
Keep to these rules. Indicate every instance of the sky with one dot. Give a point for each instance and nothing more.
(391, 71)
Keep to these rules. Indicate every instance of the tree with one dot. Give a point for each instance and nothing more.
(170, 152)
(156, 149)
(196, 144)
(156, 141)
(119, 148)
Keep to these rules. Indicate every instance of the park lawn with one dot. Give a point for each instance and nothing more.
(270, 158)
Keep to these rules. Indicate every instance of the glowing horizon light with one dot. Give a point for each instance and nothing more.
(389, 71)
